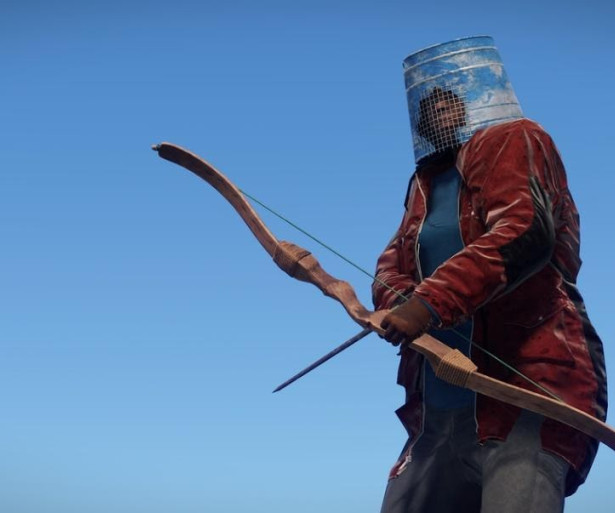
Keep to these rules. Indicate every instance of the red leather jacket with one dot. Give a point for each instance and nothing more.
(515, 277)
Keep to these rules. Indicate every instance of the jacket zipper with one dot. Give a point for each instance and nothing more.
(463, 244)
(407, 458)
(417, 245)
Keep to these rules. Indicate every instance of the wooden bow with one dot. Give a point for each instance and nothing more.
(449, 364)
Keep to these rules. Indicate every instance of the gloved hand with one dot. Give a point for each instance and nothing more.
(406, 322)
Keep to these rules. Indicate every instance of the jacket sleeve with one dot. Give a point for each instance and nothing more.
(389, 275)
(509, 169)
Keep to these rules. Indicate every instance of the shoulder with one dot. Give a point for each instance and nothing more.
(502, 133)
(503, 145)
(506, 130)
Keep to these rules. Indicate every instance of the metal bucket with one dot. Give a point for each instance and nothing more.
(465, 76)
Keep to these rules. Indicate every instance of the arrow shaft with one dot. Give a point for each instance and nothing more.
(326, 357)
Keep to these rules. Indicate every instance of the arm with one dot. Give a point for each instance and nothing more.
(389, 271)
(392, 268)
(509, 169)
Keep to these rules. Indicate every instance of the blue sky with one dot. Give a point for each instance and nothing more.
(143, 328)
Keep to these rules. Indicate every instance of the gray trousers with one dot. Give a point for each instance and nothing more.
(451, 472)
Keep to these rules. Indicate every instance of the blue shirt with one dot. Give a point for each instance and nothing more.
(439, 239)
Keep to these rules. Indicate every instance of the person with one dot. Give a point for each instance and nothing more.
(486, 256)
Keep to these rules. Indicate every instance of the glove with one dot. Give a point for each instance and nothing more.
(407, 322)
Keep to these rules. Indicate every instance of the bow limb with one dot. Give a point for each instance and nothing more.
(454, 367)
(292, 259)
(224, 186)
(450, 365)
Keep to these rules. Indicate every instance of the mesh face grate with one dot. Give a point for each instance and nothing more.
(455, 89)
(441, 120)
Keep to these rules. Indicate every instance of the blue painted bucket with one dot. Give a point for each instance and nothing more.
(453, 90)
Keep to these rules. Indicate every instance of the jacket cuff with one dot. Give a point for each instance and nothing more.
(435, 318)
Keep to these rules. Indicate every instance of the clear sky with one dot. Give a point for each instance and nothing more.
(143, 327)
